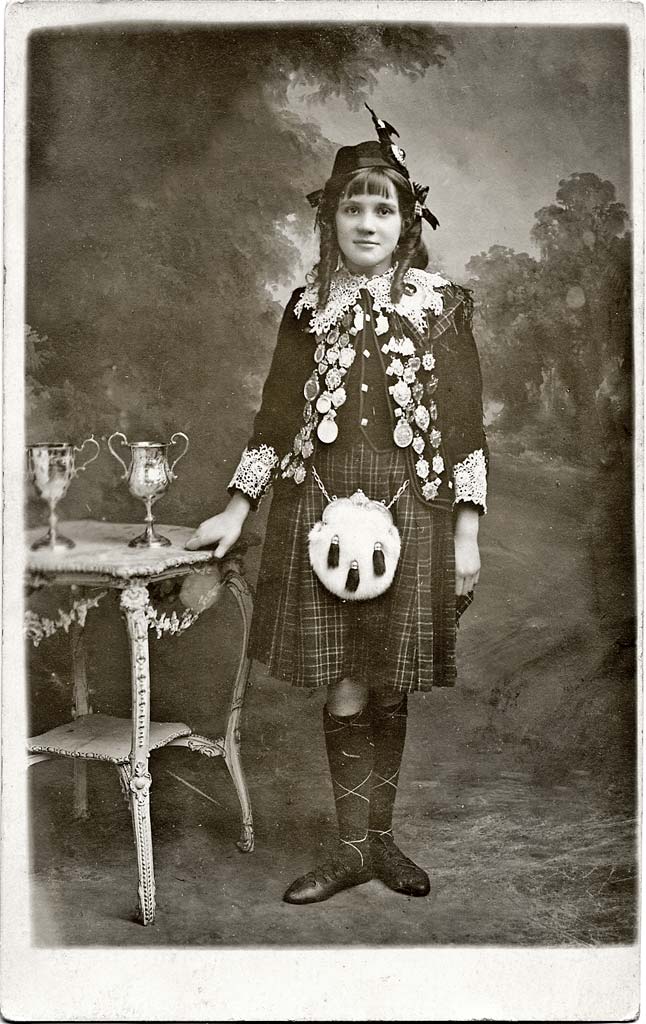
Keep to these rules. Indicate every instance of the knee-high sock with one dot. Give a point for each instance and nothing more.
(348, 740)
(389, 736)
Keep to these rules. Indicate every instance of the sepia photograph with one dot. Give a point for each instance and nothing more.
(323, 496)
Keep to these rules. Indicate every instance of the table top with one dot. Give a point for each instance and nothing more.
(101, 550)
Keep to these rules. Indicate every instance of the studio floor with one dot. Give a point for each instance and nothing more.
(516, 795)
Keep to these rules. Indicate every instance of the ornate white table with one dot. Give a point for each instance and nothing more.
(102, 559)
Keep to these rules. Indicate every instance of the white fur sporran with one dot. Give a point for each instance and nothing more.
(354, 549)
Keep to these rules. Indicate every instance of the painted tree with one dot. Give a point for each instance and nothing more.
(166, 219)
(556, 331)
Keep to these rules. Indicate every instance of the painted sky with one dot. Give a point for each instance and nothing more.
(514, 110)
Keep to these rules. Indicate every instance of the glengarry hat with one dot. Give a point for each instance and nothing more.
(381, 153)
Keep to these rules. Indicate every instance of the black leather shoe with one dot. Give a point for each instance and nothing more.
(325, 881)
(395, 869)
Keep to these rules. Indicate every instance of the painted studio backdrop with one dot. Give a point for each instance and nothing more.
(167, 224)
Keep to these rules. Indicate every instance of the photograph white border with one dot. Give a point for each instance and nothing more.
(254, 984)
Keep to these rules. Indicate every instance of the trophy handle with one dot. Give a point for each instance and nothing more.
(92, 439)
(118, 433)
(178, 433)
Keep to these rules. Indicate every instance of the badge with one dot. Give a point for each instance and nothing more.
(438, 464)
(338, 397)
(324, 403)
(323, 368)
(403, 434)
(418, 444)
(381, 324)
(415, 364)
(299, 474)
(319, 353)
(409, 375)
(428, 361)
(327, 430)
(435, 438)
(311, 389)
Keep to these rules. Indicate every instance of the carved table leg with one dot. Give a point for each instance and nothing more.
(134, 601)
(81, 706)
(240, 590)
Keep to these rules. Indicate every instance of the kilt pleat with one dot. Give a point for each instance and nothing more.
(403, 640)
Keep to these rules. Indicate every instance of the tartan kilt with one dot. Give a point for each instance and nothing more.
(403, 640)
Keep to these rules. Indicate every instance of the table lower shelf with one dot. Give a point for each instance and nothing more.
(101, 738)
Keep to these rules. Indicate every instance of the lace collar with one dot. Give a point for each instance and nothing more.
(344, 293)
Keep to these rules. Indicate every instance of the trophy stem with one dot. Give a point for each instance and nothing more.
(149, 538)
(53, 539)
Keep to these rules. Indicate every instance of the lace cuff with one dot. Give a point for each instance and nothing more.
(255, 471)
(470, 479)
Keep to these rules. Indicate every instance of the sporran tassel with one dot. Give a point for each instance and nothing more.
(378, 560)
(333, 553)
(352, 582)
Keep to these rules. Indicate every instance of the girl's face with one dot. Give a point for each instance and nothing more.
(367, 231)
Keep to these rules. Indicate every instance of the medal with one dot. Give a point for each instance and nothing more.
(333, 354)
(324, 403)
(319, 353)
(307, 449)
(418, 444)
(338, 397)
(401, 393)
(307, 412)
(299, 474)
(327, 430)
(311, 389)
(333, 379)
(422, 417)
(346, 357)
(333, 335)
(323, 368)
(403, 434)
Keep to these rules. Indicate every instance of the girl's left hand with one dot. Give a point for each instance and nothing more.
(467, 554)
(467, 564)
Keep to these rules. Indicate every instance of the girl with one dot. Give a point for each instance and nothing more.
(374, 385)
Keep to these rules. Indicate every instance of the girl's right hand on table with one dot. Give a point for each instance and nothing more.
(223, 529)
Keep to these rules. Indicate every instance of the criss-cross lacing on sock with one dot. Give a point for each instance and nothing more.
(389, 864)
(348, 741)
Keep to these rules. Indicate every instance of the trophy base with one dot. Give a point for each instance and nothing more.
(149, 539)
(57, 543)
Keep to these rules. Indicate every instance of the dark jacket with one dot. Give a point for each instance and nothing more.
(453, 388)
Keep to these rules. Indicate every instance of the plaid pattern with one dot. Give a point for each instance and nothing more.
(404, 639)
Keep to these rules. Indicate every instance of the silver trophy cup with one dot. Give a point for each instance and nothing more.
(52, 467)
(148, 477)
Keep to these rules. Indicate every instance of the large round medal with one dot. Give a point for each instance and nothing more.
(327, 430)
(403, 434)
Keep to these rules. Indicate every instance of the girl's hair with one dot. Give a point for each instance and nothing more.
(372, 181)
